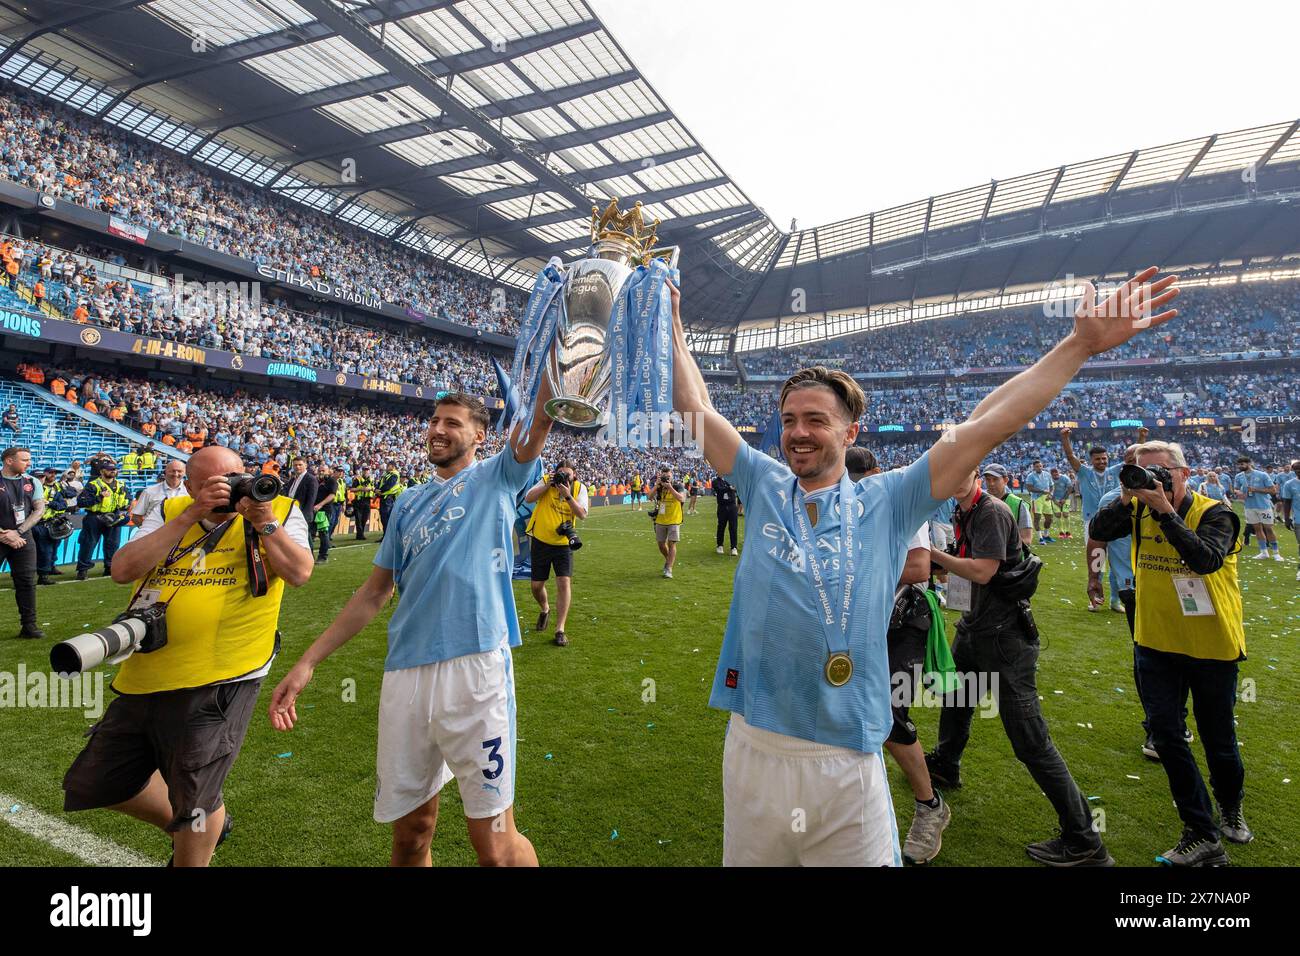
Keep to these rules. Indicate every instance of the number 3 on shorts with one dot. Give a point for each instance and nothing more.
(493, 747)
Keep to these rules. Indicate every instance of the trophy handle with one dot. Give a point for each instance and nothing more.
(669, 254)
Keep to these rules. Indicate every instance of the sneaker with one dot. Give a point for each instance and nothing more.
(1117, 607)
(1187, 735)
(1093, 605)
(1049, 540)
(1056, 852)
(1261, 556)
(1194, 850)
(1149, 749)
(560, 639)
(1232, 824)
(735, 553)
(543, 619)
(925, 835)
(1277, 556)
(43, 579)
(81, 575)
(719, 549)
(31, 631)
(668, 572)
(941, 775)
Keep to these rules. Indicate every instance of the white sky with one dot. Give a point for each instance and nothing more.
(823, 110)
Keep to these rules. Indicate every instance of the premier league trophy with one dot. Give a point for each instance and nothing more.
(580, 368)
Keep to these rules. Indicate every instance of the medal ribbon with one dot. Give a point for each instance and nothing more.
(837, 640)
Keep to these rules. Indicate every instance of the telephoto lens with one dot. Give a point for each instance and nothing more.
(86, 651)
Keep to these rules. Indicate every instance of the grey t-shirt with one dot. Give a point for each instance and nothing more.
(990, 532)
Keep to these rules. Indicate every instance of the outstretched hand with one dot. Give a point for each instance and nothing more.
(1136, 305)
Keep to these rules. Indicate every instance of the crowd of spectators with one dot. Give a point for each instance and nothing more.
(1150, 397)
(1212, 321)
(233, 319)
(69, 156)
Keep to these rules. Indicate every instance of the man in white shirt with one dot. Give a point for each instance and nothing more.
(171, 486)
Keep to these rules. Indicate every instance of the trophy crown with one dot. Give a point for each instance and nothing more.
(628, 226)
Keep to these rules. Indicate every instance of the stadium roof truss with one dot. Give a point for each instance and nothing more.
(479, 131)
(482, 131)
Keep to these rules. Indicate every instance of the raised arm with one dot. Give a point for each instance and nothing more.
(1068, 448)
(537, 434)
(1137, 304)
(716, 435)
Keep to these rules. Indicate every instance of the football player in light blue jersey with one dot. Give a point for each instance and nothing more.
(1038, 487)
(1256, 488)
(1061, 501)
(1212, 487)
(1095, 480)
(803, 668)
(1290, 502)
(447, 703)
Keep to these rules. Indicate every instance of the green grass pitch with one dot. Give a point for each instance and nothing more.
(607, 778)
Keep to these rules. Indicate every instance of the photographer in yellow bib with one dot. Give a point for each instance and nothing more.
(559, 498)
(1189, 635)
(165, 745)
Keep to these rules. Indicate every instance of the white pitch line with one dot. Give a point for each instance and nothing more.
(82, 844)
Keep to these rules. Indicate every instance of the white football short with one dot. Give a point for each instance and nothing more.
(450, 718)
(791, 802)
(1259, 515)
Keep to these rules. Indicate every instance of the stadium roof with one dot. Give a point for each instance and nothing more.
(482, 132)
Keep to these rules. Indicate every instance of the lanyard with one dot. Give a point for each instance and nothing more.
(836, 640)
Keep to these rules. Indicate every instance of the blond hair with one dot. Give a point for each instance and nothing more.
(1170, 448)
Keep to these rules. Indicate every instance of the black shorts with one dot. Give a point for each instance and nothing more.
(545, 556)
(906, 651)
(191, 737)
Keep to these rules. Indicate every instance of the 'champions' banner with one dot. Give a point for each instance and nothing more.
(42, 327)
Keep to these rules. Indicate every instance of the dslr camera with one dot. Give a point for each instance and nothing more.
(565, 530)
(562, 480)
(260, 488)
(131, 632)
(1137, 478)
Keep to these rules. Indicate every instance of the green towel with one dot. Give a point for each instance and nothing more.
(940, 671)
(323, 522)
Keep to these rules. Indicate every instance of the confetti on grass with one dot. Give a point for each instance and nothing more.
(287, 753)
(614, 835)
(18, 806)
(548, 756)
(1132, 776)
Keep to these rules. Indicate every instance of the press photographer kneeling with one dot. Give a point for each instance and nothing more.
(215, 561)
(1189, 635)
(560, 499)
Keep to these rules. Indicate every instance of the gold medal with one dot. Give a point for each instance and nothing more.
(839, 668)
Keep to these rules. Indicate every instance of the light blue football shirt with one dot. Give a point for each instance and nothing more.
(1218, 491)
(1290, 491)
(1120, 551)
(1093, 484)
(771, 669)
(1255, 479)
(1061, 488)
(943, 513)
(449, 548)
(1039, 482)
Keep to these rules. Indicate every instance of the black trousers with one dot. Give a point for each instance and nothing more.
(93, 530)
(361, 516)
(1167, 679)
(47, 548)
(326, 536)
(385, 509)
(22, 568)
(1010, 662)
(727, 521)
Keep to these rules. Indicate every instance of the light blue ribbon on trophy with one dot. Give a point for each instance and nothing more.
(543, 317)
(643, 380)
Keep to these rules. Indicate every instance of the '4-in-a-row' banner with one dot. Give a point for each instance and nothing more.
(38, 326)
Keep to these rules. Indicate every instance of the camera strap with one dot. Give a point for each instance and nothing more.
(257, 577)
